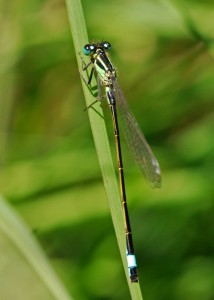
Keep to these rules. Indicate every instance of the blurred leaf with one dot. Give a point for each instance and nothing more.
(24, 270)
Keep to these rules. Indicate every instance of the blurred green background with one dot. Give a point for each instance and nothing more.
(49, 170)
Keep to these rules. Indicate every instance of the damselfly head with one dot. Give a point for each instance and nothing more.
(90, 49)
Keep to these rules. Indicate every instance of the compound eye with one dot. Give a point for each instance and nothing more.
(87, 49)
(106, 46)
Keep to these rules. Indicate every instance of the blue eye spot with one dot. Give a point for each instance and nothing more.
(86, 50)
(106, 46)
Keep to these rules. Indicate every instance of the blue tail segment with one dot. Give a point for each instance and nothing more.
(132, 267)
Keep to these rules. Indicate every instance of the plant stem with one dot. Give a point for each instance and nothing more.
(79, 34)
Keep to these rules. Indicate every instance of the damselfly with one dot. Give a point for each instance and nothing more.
(142, 153)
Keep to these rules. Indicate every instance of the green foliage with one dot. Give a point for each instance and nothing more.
(163, 51)
(25, 272)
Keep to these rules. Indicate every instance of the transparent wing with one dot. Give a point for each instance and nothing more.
(140, 149)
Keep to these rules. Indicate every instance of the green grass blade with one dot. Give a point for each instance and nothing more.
(24, 271)
(97, 122)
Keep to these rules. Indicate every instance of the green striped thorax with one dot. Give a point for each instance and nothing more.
(101, 62)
